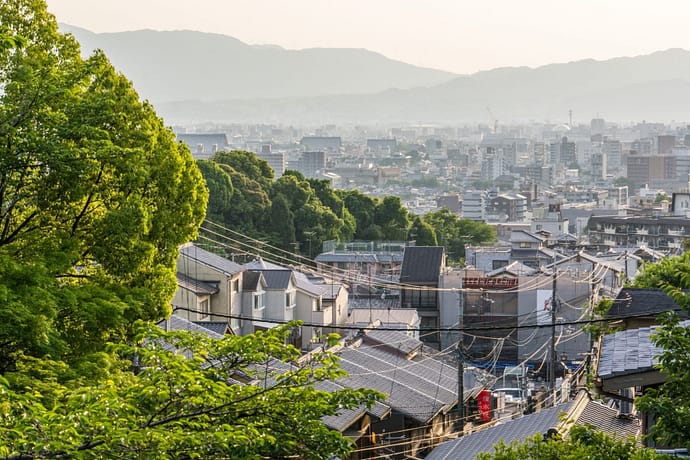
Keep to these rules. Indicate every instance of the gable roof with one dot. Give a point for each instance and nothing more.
(516, 268)
(253, 281)
(523, 236)
(422, 264)
(195, 253)
(219, 327)
(278, 279)
(642, 302)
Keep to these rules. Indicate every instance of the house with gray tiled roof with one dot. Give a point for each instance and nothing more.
(321, 304)
(639, 307)
(583, 410)
(209, 287)
(627, 362)
(421, 389)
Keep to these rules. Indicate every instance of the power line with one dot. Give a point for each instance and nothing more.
(431, 329)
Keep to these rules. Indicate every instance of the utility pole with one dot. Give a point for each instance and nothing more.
(461, 365)
(552, 351)
(461, 388)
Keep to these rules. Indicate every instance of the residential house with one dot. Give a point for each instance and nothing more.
(627, 364)
(209, 287)
(421, 390)
(640, 307)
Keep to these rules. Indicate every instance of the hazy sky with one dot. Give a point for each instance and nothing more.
(456, 35)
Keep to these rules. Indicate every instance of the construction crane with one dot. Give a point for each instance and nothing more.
(492, 119)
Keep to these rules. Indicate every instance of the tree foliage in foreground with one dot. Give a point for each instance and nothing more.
(669, 403)
(583, 442)
(238, 397)
(95, 196)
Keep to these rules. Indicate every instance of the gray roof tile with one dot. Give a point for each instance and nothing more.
(210, 259)
(471, 445)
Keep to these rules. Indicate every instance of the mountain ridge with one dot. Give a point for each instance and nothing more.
(302, 86)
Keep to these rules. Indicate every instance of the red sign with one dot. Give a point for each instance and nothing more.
(484, 404)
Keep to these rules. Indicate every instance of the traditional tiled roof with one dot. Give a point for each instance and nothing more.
(627, 352)
(394, 339)
(581, 411)
(473, 444)
(642, 302)
(176, 323)
(219, 327)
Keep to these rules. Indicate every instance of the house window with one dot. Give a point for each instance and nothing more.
(204, 308)
(258, 301)
(496, 264)
(235, 285)
(289, 299)
(524, 244)
(317, 304)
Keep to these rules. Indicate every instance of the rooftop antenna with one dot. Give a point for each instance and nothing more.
(570, 118)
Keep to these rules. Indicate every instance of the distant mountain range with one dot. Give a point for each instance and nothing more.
(194, 77)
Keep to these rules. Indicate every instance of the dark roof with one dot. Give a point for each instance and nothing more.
(210, 259)
(277, 279)
(471, 445)
(642, 302)
(396, 340)
(422, 264)
(176, 323)
(253, 281)
(196, 286)
(219, 327)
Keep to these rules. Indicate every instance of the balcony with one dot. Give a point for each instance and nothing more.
(609, 230)
(642, 231)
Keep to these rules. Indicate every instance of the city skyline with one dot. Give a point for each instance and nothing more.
(456, 36)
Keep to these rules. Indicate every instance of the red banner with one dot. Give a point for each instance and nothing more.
(484, 404)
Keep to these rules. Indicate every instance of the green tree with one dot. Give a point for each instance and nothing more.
(582, 442)
(454, 233)
(184, 401)
(283, 222)
(220, 189)
(670, 403)
(363, 209)
(94, 193)
(392, 218)
(423, 233)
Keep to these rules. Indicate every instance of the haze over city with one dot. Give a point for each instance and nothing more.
(457, 36)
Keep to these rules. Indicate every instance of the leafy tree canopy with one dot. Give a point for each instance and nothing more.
(185, 401)
(95, 195)
(670, 403)
(582, 442)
